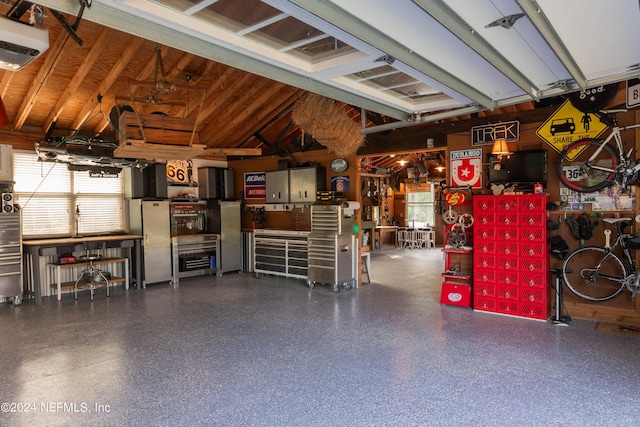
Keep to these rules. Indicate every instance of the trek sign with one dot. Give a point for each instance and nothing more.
(568, 124)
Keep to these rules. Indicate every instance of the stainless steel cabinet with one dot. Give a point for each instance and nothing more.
(305, 182)
(277, 186)
(331, 260)
(11, 257)
(224, 219)
(150, 219)
(280, 252)
(297, 185)
(194, 255)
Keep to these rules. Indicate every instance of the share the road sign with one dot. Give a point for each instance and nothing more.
(568, 124)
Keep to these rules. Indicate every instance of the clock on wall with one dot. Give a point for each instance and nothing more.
(339, 165)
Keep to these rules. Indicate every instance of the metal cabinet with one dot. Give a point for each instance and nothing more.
(11, 257)
(277, 186)
(281, 252)
(194, 255)
(305, 182)
(331, 260)
(150, 218)
(223, 218)
(297, 185)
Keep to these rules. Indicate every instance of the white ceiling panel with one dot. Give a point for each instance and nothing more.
(602, 36)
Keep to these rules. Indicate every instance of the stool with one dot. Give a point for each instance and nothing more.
(91, 274)
(427, 238)
(412, 239)
(366, 265)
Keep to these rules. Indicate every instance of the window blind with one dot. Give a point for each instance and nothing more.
(56, 202)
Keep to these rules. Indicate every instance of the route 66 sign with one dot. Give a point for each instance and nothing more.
(179, 171)
(466, 168)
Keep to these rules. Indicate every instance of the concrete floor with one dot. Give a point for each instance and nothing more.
(245, 351)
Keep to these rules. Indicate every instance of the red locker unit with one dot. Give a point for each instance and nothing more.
(511, 258)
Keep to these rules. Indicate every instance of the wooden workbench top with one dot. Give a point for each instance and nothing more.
(73, 240)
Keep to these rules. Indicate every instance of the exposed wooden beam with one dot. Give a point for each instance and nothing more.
(219, 152)
(53, 56)
(253, 115)
(82, 71)
(20, 140)
(108, 81)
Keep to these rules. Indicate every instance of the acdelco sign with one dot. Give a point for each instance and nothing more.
(255, 186)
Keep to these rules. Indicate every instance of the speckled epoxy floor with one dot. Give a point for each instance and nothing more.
(245, 351)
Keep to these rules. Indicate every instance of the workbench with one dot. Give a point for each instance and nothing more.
(58, 246)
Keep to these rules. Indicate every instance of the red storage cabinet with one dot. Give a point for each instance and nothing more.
(511, 255)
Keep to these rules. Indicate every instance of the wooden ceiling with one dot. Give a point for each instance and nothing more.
(74, 88)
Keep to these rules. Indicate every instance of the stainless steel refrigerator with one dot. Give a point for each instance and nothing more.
(151, 220)
(223, 218)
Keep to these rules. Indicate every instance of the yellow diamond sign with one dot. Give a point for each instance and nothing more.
(568, 124)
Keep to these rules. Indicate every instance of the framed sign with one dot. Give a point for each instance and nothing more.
(466, 168)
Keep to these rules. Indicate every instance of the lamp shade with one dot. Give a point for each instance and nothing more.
(500, 146)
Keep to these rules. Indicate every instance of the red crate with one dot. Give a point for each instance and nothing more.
(486, 247)
(507, 262)
(508, 306)
(535, 295)
(484, 289)
(533, 280)
(484, 275)
(507, 277)
(533, 202)
(534, 265)
(507, 203)
(528, 249)
(507, 292)
(507, 218)
(484, 304)
(457, 294)
(484, 218)
(534, 311)
(485, 232)
(533, 219)
(508, 248)
(507, 233)
(532, 235)
(484, 203)
(485, 260)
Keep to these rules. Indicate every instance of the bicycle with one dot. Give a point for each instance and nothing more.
(590, 165)
(610, 274)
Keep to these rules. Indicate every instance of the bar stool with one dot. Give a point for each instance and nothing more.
(91, 274)
(401, 237)
(412, 239)
(427, 238)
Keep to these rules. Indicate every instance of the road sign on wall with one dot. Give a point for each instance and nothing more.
(568, 124)
(633, 93)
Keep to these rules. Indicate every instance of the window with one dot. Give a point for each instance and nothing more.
(58, 202)
(420, 208)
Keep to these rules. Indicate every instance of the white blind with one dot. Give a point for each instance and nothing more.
(57, 202)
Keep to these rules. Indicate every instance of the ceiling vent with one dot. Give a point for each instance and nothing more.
(20, 43)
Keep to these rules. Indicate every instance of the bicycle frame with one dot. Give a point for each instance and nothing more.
(624, 158)
(628, 260)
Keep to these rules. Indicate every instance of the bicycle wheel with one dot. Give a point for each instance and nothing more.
(599, 283)
(574, 171)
